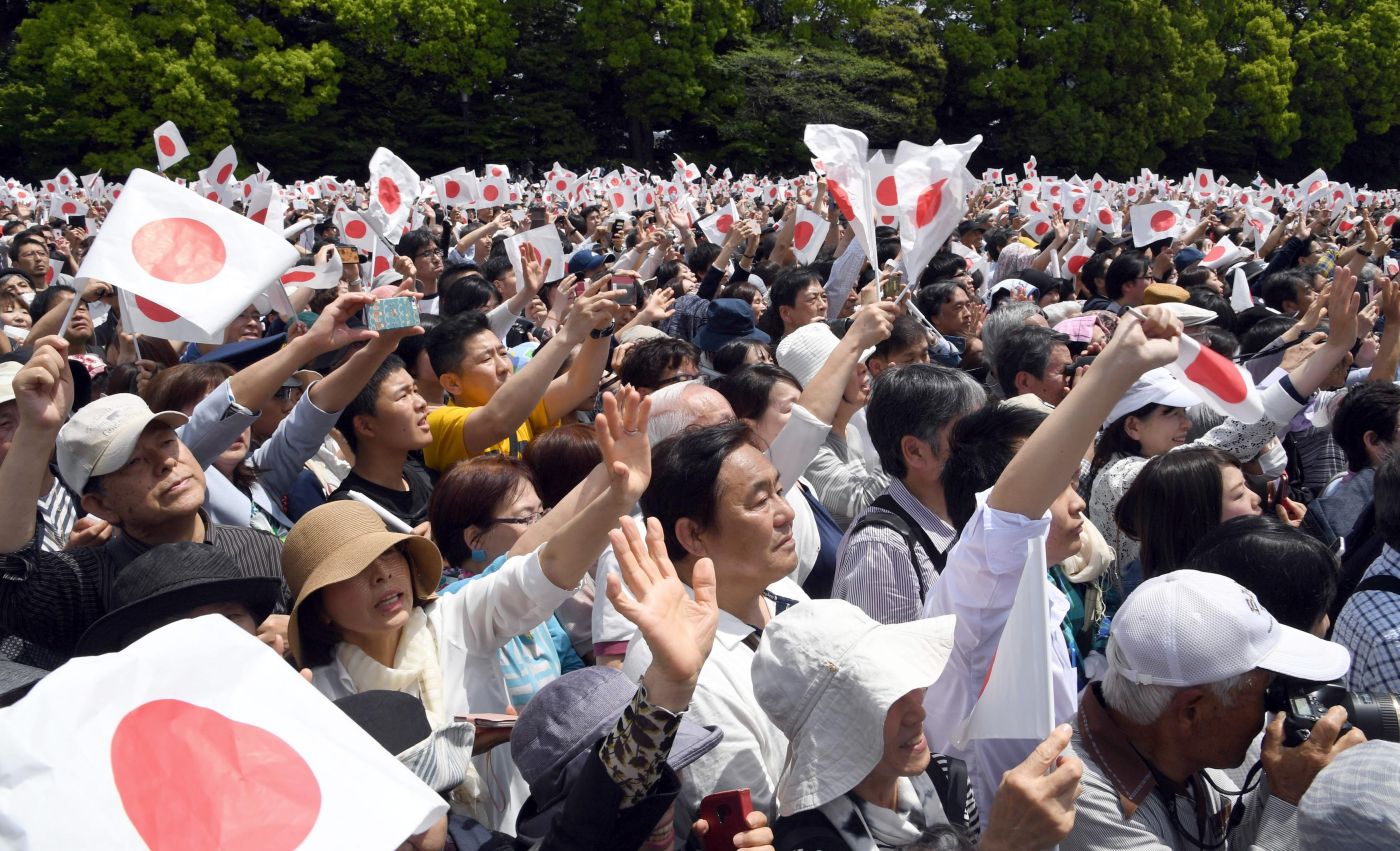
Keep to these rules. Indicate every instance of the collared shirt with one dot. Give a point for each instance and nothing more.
(874, 571)
(1369, 626)
(1121, 806)
(753, 750)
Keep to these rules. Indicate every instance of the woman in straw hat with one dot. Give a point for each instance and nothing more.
(366, 614)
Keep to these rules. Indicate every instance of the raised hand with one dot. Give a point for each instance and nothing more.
(678, 630)
(1343, 305)
(1033, 809)
(43, 387)
(622, 436)
(332, 329)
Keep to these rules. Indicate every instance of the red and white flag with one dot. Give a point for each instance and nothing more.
(496, 170)
(266, 207)
(1018, 695)
(1203, 183)
(1159, 220)
(885, 190)
(382, 260)
(845, 153)
(808, 235)
(1222, 254)
(718, 225)
(170, 146)
(1075, 258)
(1217, 381)
(621, 198)
(1038, 226)
(1258, 222)
(452, 187)
(184, 252)
(393, 187)
(1313, 188)
(220, 171)
(317, 277)
(143, 316)
(354, 230)
(196, 736)
(933, 183)
(63, 206)
(494, 192)
(545, 240)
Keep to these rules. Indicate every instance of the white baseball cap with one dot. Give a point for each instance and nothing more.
(1189, 628)
(1156, 386)
(826, 674)
(102, 436)
(804, 351)
(8, 371)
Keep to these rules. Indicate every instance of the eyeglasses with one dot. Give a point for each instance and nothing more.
(677, 379)
(428, 254)
(527, 520)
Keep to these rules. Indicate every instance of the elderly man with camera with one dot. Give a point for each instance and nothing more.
(1191, 657)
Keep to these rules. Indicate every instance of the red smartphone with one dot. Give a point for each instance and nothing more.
(726, 814)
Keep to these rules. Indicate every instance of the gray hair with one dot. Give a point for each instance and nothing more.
(676, 406)
(1008, 316)
(1144, 704)
(918, 400)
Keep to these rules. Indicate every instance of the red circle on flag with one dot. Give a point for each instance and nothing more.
(843, 201)
(1345, 226)
(803, 234)
(179, 250)
(490, 193)
(381, 264)
(887, 220)
(63, 178)
(155, 311)
(930, 202)
(453, 188)
(51, 187)
(1055, 190)
(1106, 217)
(224, 173)
(389, 197)
(887, 194)
(69, 208)
(1214, 254)
(1042, 228)
(247, 190)
(355, 229)
(496, 172)
(619, 200)
(1162, 220)
(260, 216)
(1205, 181)
(1338, 194)
(724, 223)
(300, 276)
(1027, 187)
(166, 145)
(1076, 263)
(1078, 205)
(1316, 185)
(189, 777)
(561, 185)
(1218, 375)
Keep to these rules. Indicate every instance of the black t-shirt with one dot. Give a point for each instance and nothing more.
(410, 506)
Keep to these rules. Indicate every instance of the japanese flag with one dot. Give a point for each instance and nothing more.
(1389, 219)
(1258, 222)
(143, 316)
(1222, 254)
(266, 206)
(1018, 696)
(933, 183)
(452, 187)
(845, 153)
(545, 240)
(393, 187)
(318, 277)
(63, 207)
(184, 252)
(65, 182)
(719, 224)
(1078, 204)
(383, 259)
(494, 192)
(1217, 381)
(497, 170)
(560, 182)
(1313, 188)
(1203, 183)
(1240, 297)
(354, 230)
(621, 198)
(1029, 186)
(170, 147)
(1075, 258)
(197, 737)
(1038, 226)
(220, 171)
(91, 182)
(1097, 183)
(886, 192)
(1029, 166)
(1159, 220)
(808, 235)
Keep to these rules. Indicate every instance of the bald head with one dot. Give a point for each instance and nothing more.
(679, 406)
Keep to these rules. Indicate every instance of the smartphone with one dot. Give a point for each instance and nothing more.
(387, 314)
(1277, 491)
(894, 283)
(536, 216)
(77, 221)
(628, 284)
(726, 814)
(489, 720)
(348, 254)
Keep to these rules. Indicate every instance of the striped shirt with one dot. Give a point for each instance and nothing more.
(58, 511)
(874, 570)
(1369, 626)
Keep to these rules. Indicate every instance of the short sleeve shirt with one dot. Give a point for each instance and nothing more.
(448, 448)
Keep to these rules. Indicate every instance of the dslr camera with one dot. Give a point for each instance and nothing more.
(1304, 703)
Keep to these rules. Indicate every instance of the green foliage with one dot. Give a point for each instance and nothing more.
(312, 86)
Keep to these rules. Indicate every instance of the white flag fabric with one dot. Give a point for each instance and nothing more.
(845, 154)
(717, 225)
(933, 183)
(320, 277)
(196, 736)
(170, 146)
(808, 235)
(1160, 220)
(220, 171)
(545, 239)
(1075, 259)
(1240, 298)
(143, 316)
(354, 230)
(1017, 699)
(266, 206)
(393, 187)
(185, 253)
(1222, 254)
(1217, 381)
(884, 191)
(63, 206)
(452, 187)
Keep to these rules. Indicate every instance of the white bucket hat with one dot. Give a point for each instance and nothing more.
(1156, 386)
(804, 351)
(826, 674)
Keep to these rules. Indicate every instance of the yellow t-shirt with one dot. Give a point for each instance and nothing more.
(447, 448)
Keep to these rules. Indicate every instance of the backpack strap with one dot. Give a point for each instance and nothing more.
(885, 502)
(949, 776)
(1384, 582)
(905, 529)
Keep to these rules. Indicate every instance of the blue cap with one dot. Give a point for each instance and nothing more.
(729, 319)
(1186, 257)
(586, 260)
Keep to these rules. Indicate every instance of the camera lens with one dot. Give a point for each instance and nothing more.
(1375, 714)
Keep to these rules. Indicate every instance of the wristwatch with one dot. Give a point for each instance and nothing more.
(600, 333)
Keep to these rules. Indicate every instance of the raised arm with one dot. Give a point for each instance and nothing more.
(822, 395)
(43, 391)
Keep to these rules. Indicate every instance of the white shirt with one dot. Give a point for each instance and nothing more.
(978, 585)
(753, 750)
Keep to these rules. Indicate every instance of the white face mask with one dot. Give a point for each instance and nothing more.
(1273, 460)
(27, 298)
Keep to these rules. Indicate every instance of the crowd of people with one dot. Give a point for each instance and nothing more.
(695, 517)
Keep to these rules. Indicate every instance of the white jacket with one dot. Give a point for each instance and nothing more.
(470, 626)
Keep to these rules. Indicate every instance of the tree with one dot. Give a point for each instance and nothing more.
(1253, 112)
(88, 80)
